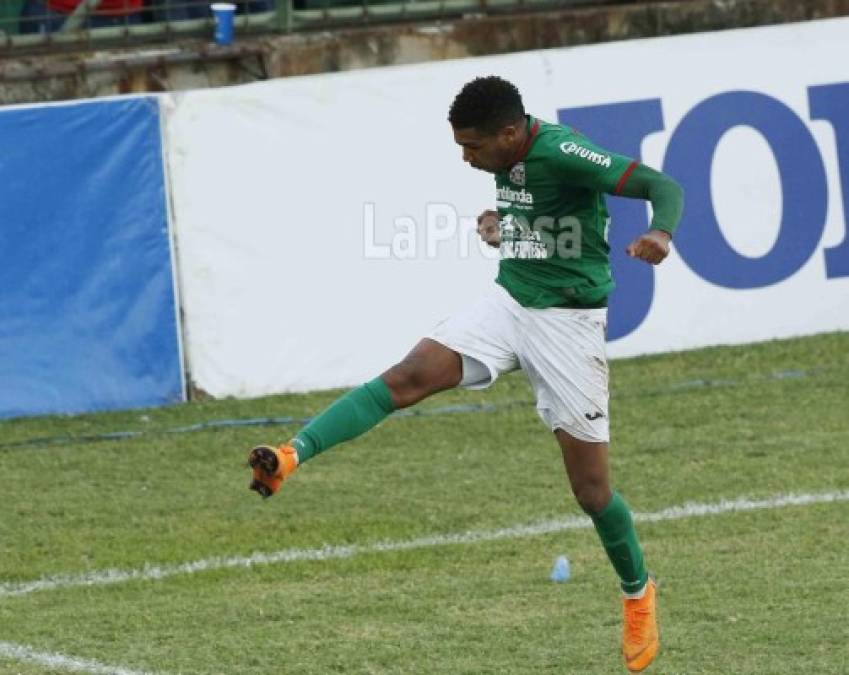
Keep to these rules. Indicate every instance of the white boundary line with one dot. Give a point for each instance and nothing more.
(150, 572)
(61, 662)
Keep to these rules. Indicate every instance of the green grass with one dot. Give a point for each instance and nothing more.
(756, 592)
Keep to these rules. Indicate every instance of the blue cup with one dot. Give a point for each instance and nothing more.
(224, 13)
(562, 570)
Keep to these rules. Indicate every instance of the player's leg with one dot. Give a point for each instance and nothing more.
(429, 368)
(565, 359)
(587, 468)
(483, 334)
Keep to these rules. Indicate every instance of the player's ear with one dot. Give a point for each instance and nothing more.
(509, 133)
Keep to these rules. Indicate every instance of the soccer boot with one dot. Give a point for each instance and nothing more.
(271, 467)
(640, 638)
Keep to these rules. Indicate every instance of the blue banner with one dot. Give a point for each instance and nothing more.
(88, 318)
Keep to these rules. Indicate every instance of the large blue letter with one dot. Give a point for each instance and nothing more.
(803, 187)
(831, 102)
(621, 128)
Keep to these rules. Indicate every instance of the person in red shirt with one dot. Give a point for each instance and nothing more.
(47, 16)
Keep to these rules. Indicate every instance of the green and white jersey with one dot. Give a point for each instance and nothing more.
(554, 219)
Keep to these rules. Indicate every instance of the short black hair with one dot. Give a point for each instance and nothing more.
(487, 104)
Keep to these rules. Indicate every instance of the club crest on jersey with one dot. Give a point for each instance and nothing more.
(517, 174)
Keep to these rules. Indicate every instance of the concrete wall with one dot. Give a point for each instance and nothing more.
(191, 64)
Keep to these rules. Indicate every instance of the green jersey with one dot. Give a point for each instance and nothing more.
(554, 219)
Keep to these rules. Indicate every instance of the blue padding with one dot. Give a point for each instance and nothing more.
(87, 307)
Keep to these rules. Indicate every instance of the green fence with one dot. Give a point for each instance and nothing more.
(46, 25)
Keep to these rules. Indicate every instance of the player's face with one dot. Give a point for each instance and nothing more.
(487, 152)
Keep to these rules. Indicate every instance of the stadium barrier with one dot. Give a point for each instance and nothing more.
(333, 224)
(88, 312)
(326, 223)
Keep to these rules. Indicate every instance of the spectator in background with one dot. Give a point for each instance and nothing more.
(47, 16)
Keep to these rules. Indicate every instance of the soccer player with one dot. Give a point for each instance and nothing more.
(546, 314)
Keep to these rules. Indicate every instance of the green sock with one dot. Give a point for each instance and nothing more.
(347, 417)
(615, 527)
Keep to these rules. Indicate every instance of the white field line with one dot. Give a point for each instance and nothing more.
(61, 662)
(329, 552)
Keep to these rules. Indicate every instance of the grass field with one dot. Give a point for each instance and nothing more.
(742, 591)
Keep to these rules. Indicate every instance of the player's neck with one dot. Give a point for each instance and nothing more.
(523, 142)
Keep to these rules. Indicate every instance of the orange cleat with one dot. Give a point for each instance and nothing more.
(640, 638)
(271, 467)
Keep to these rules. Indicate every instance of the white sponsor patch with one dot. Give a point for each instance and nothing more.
(571, 148)
(514, 196)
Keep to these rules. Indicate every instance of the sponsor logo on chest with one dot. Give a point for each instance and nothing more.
(508, 194)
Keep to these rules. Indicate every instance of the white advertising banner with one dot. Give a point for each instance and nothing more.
(325, 223)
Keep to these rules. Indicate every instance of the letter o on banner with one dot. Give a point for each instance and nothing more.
(803, 188)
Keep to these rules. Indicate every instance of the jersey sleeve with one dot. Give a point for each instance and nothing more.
(580, 163)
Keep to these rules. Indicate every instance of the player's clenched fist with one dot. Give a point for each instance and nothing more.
(652, 247)
(489, 228)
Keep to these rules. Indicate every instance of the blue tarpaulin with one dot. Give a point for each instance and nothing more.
(87, 304)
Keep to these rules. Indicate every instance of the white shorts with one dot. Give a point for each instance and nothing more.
(561, 350)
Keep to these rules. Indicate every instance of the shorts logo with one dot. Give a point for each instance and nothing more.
(517, 174)
(594, 416)
(570, 148)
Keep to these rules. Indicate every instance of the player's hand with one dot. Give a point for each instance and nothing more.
(489, 228)
(652, 247)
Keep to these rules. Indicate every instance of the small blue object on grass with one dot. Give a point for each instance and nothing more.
(561, 571)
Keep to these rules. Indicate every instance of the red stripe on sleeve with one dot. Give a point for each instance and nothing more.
(625, 176)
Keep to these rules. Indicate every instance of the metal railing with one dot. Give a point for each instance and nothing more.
(101, 22)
